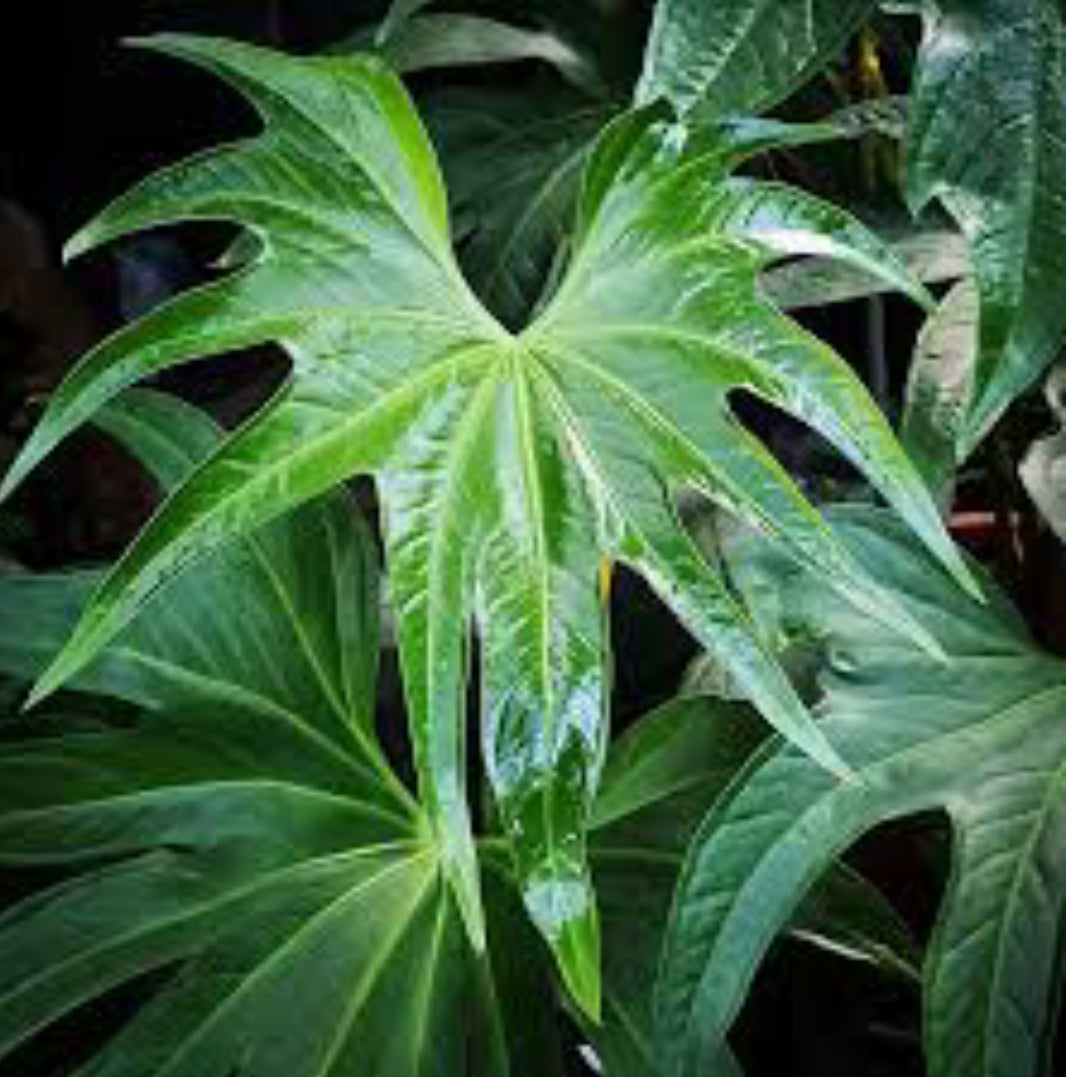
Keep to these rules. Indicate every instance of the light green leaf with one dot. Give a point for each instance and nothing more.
(987, 135)
(983, 740)
(741, 55)
(509, 466)
(931, 255)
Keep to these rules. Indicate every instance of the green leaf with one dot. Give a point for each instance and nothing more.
(509, 466)
(931, 255)
(463, 40)
(239, 850)
(304, 646)
(248, 870)
(399, 13)
(847, 915)
(661, 777)
(987, 135)
(742, 55)
(983, 740)
(513, 166)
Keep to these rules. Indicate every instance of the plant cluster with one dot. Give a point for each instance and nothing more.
(537, 322)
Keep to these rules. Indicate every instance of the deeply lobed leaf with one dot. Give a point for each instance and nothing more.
(509, 465)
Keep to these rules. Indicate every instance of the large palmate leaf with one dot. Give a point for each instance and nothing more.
(509, 465)
(742, 55)
(242, 844)
(987, 135)
(984, 740)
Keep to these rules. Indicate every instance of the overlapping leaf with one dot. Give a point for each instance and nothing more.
(987, 135)
(660, 778)
(937, 399)
(742, 55)
(283, 623)
(514, 172)
(984, 740)
(509, 465)
(248, 844)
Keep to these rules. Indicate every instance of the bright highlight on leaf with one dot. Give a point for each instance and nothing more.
(508, 465)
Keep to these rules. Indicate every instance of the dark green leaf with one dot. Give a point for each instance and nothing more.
(660, 778)
(513, 166)
(983, 739)
(399, 13)
(283, 622)
(742, 55)
(987, 135)
(253, 870)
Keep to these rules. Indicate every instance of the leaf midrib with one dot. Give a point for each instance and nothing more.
(993, 997)
(356, 805)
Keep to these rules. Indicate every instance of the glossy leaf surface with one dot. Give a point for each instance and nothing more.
(742, 55)
(509, 465)
(987, 135)
(983, 740)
